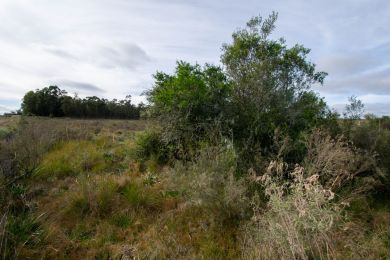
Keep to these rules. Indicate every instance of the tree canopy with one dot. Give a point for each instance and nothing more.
(193, 91)
(271, 86)
(263, 87)
(52, 101)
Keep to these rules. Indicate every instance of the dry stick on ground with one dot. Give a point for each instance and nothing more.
(3, 239)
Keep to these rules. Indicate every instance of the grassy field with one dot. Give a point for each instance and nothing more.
(83, 193)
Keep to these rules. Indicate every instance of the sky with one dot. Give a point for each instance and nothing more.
(111, 48)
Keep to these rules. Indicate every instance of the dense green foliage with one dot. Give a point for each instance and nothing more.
(52, 101)
(271, 82)
(189, 105)
(271, 88)
(195, 93)
(264, 90)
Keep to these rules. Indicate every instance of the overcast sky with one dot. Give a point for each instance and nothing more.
(111, 48)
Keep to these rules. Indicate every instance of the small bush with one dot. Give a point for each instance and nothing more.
(150, 146)
(297, 221)
(340, 166)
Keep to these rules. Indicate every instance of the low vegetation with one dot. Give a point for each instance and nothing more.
(244, 162)
(88, 195)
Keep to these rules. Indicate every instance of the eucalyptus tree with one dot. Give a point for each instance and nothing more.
(271, 86)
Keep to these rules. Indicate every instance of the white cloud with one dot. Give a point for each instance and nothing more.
(116, 45)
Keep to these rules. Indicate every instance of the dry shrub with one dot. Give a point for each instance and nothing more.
(305, 206)
(297, 221)
(339, 165)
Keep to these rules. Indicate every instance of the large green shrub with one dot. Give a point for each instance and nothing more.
(271, 87)
(194, 93)
(264, 88)
(188, 105)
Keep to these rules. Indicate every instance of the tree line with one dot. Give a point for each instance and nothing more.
(55, 102)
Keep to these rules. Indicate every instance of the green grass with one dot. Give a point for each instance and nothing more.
(121, 220)
(85, 156)
(139, 195)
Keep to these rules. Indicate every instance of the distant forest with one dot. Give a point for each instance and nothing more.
(55, 102)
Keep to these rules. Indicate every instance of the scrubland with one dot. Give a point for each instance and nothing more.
(84, 189)
(244, 161)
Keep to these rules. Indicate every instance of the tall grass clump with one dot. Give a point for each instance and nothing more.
(93, 197)
(210, 181)
(206, 222)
